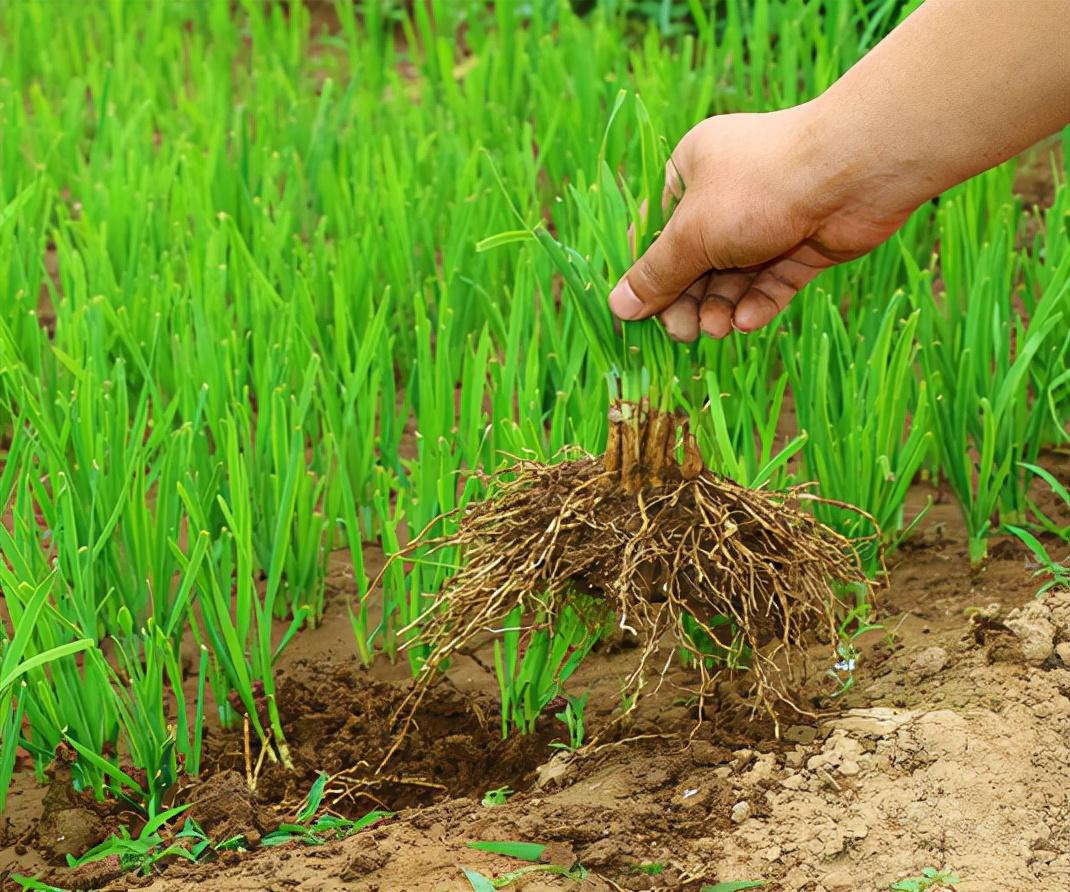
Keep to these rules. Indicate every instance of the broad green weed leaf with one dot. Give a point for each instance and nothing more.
(312, 803)
(34, 884)
(479, 882)
(372, 817)
(162, 818)
(525, 851)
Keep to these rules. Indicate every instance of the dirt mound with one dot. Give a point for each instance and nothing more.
(952, 748)
(72, 821)
(963, 759)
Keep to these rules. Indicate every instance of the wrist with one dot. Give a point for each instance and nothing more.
(851, 167)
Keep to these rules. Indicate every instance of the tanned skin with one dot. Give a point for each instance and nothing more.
(771, 200)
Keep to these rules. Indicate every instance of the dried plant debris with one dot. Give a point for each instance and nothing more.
(664, 543)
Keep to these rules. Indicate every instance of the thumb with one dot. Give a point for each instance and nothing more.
(663, 273)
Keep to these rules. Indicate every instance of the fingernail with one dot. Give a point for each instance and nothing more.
(742, 328)
(624, 303)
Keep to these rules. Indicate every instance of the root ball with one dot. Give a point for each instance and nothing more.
(685, 552)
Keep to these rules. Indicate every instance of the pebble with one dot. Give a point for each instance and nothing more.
(740, 812)
(1062, 651)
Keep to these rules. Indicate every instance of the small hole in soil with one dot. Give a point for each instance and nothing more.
(339, 721)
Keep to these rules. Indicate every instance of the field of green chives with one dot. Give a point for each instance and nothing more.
(276, 279)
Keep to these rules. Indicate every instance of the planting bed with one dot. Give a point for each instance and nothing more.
(952, 748)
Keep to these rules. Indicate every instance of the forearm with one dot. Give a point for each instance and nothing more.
(959, 87)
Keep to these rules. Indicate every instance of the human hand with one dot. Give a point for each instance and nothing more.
(767, 204)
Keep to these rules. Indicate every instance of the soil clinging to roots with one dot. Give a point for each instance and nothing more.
(667, 545)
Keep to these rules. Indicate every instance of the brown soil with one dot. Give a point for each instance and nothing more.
(952, 748)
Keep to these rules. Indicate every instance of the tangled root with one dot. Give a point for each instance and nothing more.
(667, 545)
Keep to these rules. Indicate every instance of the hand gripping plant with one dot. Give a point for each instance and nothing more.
(663, 542)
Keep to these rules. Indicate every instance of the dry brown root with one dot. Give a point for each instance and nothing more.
(682, 542)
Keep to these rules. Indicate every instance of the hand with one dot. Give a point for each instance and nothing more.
(764, 209)
(770, 200)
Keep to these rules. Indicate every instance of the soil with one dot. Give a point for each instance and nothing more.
(952, 748)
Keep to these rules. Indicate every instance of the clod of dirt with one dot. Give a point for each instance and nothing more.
(71, 820)
(842, 754)
(802, 734)
(94, 875)
(928, 662)
(1040, 624)
(224, 807)
(877, 721)
(363, 862)
(553, 772)
(1035, 634)
(68, 831)
(663, 546)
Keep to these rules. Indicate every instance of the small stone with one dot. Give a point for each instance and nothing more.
(928, 661)
(743, 758)
(1062, 651)
(849, 768)
(740, 812)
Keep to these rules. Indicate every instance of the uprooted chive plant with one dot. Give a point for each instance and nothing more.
(663, 543)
